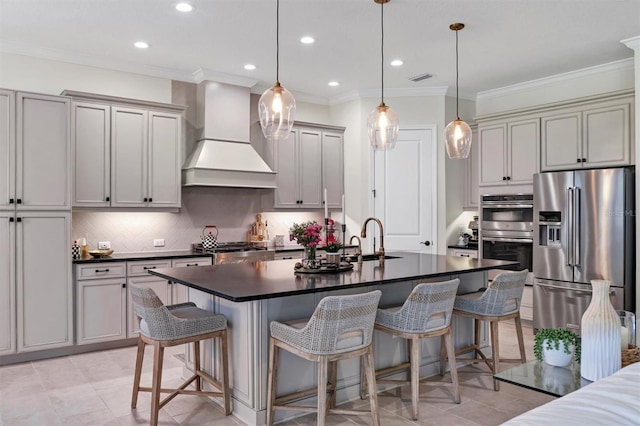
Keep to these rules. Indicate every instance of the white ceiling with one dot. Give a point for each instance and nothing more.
(505, 42)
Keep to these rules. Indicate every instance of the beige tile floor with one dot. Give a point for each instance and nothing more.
(95, 389)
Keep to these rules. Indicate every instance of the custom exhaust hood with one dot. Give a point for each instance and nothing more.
(223, 155)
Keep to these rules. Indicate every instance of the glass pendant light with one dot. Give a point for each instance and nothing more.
(277, 107)
(382, 123)
(457, 134)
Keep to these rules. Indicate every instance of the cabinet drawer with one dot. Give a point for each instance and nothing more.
(100, 270)
(141, 267)
(192, 261)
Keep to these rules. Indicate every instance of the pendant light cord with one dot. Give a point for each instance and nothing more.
(278, 41)
(382, 52)
(457, 95)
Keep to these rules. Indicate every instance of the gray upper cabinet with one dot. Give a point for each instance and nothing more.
(7, 149)
(91, 139)
(126, 152)
(597, 134)
(333, 168)
(34, 148)
(508, 152)
(42, 152)
(129, 155)
(310, 160)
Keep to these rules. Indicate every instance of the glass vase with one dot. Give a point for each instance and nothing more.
(600, 330)
(310, 261)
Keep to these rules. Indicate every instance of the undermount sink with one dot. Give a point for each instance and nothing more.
(367, 257)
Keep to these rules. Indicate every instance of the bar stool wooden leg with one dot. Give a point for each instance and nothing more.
(518, 321)
(225, 372)
(443, 355)
(414, 362)
(196, 364)
(448, 338)
(273, 373)
(495, 351)
(322, 390)
(373, 392)
(138, 373)
(158, 357)
(363, 379)
(333, 381)
(476, 333)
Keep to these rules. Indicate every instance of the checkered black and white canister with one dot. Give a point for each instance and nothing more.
(75, 250)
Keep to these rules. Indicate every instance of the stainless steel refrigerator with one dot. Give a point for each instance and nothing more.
(584, 229)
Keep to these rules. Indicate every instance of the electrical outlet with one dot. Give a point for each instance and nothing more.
(104, 245)
(158, 242)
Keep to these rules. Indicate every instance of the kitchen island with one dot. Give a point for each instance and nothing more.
(251, 295)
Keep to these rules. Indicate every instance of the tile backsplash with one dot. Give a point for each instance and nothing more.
(232, 210)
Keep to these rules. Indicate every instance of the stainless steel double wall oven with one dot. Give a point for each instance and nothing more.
(506, 229)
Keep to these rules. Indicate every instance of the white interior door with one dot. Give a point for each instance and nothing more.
(405, 191)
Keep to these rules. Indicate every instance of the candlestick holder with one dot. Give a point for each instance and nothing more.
(326, 231)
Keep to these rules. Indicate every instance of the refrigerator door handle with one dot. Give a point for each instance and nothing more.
(576, 227)
(611, 292)
(570, 229)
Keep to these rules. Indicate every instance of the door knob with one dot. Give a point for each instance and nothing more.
(426, 243)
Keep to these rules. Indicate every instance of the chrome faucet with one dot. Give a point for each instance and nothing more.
(363, 234)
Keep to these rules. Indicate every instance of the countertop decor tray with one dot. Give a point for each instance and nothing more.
(324, 269)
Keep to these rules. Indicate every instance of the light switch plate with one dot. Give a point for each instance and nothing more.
(159, 242)
(104, 245)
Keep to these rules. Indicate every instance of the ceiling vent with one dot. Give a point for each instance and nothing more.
(420, 77)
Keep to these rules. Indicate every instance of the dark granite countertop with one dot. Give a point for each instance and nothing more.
(297, 247)
(151, 255)
(263, 280)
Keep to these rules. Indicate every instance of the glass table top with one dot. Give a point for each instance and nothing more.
(541, 377)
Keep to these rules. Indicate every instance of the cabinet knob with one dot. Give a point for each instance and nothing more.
(19, 201)
(504, 178)
(11, 219)
(11, 200)
(508, 177)
(579, 160)
(584, 160)
(150, 199)
(145, 199)
(108, 199)
(18, 219)
(124, 285)
(426, 243)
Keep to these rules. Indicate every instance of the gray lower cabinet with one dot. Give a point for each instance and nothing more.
(137, 275)
(104, 311)
(101, 300)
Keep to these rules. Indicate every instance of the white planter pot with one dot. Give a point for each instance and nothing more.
(557, 357)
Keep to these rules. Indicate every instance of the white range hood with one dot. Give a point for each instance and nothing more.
(223, 155)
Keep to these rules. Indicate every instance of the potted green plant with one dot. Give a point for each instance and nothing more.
(556, 346)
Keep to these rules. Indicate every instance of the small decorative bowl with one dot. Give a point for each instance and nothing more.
(100, 253)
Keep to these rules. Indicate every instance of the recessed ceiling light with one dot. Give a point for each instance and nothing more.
(184, 7)
(396, 62)
(250, 67)
(141, 44)
(334, 83)
(307, 40)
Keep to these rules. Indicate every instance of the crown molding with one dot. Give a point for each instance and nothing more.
(632, 43)
(91, 61)
(554, 79)
(204, 74)
(389, 93)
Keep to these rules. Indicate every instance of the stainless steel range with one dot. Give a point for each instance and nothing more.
(235, 252)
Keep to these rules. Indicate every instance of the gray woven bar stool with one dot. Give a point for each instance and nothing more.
(341, 327)
(425, 313)
(499, 302)
(164, 326)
